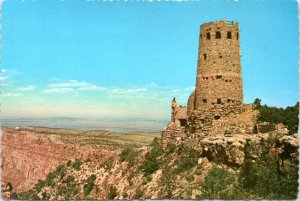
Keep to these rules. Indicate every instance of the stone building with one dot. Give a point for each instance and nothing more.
(179, 114)
(219, 77)
(216, 105)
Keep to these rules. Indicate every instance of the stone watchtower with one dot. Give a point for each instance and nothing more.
(216, 105)
(219, 76)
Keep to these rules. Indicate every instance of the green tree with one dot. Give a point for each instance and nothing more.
(130, 155)
(288, 116)
(112, 193)
(216, 183)
(88, 187)
(262, 178)
(151, 163)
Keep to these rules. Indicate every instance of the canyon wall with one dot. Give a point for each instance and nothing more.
(27, 157)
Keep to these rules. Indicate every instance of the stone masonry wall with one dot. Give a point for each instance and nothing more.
(172, 134)
(221, 119)
(219, 77)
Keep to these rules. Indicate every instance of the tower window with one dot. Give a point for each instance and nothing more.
(182, 122)
(229, 34)
(219, 101)
(218, 77)
(237, 35)
(204, 100)
(217, 117)
(218, 34)
(207, 36)
(228, 100)
(204, 56)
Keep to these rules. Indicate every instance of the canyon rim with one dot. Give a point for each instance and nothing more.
(226, 138)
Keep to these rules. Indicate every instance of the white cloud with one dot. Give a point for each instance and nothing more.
(27, 88)
(2, 78)
(59, 91)
(7, 75)
(10, 94)
(189, 88)
(128, 91)
(6, 71)
(75, 85)
(175, 90)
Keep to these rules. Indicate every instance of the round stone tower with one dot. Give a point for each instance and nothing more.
(219, 76)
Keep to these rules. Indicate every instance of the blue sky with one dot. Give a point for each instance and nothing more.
(129, 59)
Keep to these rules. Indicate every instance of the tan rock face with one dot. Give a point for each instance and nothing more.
(27, 158)
(230, 150)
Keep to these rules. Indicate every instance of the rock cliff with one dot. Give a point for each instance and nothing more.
(175, 171)
(28, 157)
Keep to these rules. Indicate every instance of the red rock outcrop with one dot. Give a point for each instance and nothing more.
(27, 157)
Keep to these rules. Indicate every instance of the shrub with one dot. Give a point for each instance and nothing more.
(171, 148)
(40, 185)
(149, 167)
(108, 164)
(190, 178)
(60, 171)
(112, 192)
(14, 196)
(168, 182)
(288, 116)
(88, 187)
(76, 165)
(151, 163)
(62, 190)
(188, 158)
(125, 195)
(69, 163)
(130, 155)
(45, 196)
(215, 183)
(50, 179)
(198, 172)
(70, 179)
(138, 194)
(265, 179)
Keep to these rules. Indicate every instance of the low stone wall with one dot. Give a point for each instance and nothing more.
(172, 134)
(264, 127)
(227, 119)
